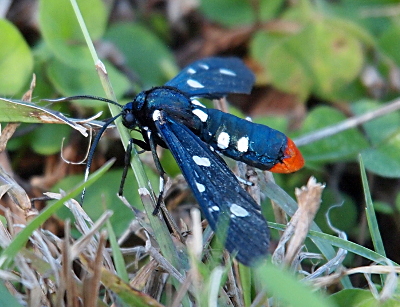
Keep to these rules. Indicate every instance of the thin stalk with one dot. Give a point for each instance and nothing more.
(347, 124)
(158, 225)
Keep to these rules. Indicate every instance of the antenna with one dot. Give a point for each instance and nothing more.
(85, 97)
(99, 134)
(92, 150)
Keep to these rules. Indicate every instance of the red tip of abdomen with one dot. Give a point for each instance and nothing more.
(292, 162)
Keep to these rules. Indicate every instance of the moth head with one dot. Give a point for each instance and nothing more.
(128, 118)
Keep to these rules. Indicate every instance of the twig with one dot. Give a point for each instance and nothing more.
(347, 124)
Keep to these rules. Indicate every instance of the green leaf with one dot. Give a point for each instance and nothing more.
(25, 112)
(268, 9)
(334, 56)
(320, 57)
(364, 13)
(47, 139)
(16, 61)
(149, 58)
(70, 81)
(360, 297)
(6, 298)
(343, 217)
(390, 43)
(397, 202)
(384, 160)
(61, 31)
(384, 135)
(233, 13)
(383, 207)
(169, 164)
(381, 129)
(279, 123)
(282, 63)
(339, 146)
(299, 295)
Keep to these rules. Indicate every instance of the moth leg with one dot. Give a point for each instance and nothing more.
(160, 170)
(142, 144)
(244, 181)
(145, 147)
(127, 161)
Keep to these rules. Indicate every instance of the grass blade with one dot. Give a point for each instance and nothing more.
(116, 253)
(370, 212)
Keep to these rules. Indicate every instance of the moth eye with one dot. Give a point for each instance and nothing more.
(129, 120)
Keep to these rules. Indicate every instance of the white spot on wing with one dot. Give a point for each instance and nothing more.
(156, 115)
(214, 208)
(200, 114)
(191, 71)
(198, 103)
(223, 140)
(204, 66)
(201, 161)
(194, 83)
(238, 211)
(227, 72)
(243, 144)
(200, 187)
